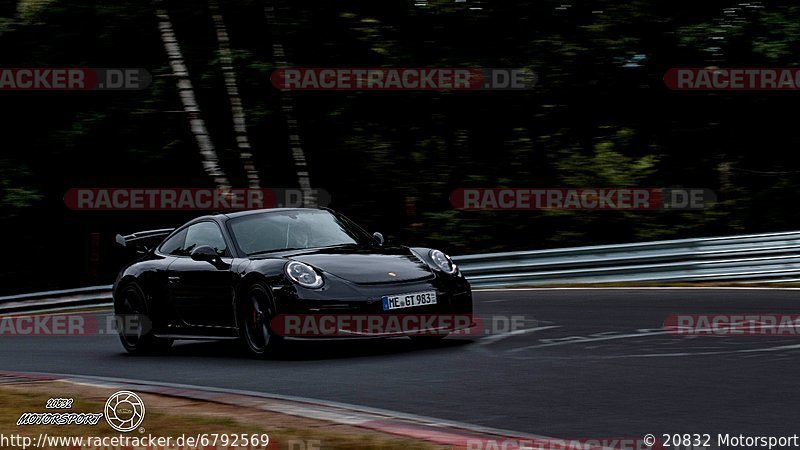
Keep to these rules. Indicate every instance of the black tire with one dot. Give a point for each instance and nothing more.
(131, 301)
(256, 310)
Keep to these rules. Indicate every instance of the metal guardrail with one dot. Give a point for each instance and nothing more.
(94, 296)
(757, 258)
(773, 257)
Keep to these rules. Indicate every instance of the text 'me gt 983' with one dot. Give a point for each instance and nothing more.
(233, 276)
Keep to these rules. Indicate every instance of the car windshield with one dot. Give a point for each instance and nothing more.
(296, 229)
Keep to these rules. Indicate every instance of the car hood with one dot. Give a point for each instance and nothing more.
(367, 265)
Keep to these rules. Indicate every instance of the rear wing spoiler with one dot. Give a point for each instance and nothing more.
(143, 241)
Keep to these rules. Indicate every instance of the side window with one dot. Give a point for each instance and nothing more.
(204, 233)
(174, 245)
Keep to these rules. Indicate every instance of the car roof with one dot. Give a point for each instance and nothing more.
(224, 217)
(233, 215)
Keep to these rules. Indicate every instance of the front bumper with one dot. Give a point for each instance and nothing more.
(344, 310)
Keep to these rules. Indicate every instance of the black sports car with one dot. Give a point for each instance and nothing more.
(266, 275)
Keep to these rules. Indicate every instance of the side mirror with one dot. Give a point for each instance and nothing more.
(379, 238)
(205, 253)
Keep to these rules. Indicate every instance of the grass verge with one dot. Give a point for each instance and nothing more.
(173, 416)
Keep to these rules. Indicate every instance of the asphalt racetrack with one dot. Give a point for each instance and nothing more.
(587, 363)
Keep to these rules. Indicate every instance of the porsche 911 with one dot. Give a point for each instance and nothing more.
(250, 275)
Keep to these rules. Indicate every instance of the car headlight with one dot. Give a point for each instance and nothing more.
(304, 275)
(443, 262)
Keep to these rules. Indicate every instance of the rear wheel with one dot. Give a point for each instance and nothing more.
(134, 324)
(256, 310)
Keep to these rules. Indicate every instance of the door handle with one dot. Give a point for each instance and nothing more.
(173, 279)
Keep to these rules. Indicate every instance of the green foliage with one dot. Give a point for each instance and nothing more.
(17, 191)
(606, 165)
(30, 11)
(599, 116)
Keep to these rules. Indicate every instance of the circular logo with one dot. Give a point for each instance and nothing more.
(124, 411)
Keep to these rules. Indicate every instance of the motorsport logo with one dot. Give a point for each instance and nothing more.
(74, 324)
(124, 412)
(402, 79)
(741, 324)
(327, 325)
(629, 199)
(349, 325)
(613, 443)
(169, 199)
(738, 79)
(73, 79)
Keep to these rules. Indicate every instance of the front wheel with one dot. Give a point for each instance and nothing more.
(256, 310)
(134, 324)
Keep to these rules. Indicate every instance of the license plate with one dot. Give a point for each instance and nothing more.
(408, 300)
